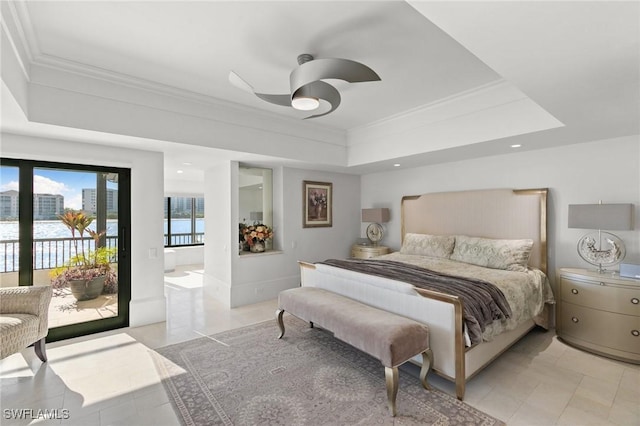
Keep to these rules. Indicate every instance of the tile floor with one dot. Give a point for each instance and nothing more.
(109, 378)
(65, 309)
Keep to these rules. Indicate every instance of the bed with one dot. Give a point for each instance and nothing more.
(490, 216)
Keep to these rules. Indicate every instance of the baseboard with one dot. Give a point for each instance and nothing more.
(147, 311)
(217, 289)
(260, 291)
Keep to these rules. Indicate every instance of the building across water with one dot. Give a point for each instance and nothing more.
(45, 206)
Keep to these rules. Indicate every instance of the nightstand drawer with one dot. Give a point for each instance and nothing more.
(606, 329)
(366, 252)
(605, 297)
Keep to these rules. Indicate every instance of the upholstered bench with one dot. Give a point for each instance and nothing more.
(391, 338)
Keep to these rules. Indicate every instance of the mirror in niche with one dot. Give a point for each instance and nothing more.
(255, 209)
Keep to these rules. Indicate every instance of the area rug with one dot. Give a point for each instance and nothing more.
(249, 377)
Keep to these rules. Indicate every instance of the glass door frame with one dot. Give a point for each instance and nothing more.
(25, 262)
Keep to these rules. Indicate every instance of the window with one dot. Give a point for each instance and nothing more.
(38, 247)
(183, 221)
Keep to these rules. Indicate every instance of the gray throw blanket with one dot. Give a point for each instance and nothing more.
(482, 302)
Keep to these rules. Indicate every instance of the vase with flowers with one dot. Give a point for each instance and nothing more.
(256, 236)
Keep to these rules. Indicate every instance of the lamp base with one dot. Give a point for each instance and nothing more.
(601, 249)
(375, 233)
(604, 271)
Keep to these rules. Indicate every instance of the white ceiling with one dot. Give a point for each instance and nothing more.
(577, 60)
(194, 45)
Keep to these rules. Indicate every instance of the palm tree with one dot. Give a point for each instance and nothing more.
(77, 221)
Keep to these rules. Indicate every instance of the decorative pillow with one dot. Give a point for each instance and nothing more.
(428, 245)
(511, 255)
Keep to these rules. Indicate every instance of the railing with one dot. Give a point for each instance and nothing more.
(184, 239)
(51, 253)
(48, 253)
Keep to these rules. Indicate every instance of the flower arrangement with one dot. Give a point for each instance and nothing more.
(318, 198)
(257, 233)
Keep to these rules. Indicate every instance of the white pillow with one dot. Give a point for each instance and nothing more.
(428, 245)
(511, 255)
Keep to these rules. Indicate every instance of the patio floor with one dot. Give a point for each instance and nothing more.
(65, 309)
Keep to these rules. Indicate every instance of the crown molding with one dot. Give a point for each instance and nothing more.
(473, 101)
(27, 32)
(22, 35)
(24, 39)
(159, 89)
(434, 105)
(97, 73)
(17, 27)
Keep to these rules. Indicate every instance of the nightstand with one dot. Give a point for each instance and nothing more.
(599, 313)
(360, 251)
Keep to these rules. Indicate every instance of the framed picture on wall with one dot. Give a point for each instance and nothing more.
(317, 204)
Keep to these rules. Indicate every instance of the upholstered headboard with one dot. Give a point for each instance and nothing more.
(491, 213)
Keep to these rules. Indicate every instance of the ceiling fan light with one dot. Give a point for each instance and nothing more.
(305, 103)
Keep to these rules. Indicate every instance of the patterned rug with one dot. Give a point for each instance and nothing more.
(249, 377)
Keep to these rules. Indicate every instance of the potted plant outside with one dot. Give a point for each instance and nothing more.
(87, 272)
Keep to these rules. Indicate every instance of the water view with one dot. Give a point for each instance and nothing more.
(49, 229)
(52, 245)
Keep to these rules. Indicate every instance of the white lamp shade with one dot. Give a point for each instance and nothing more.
(601, 216)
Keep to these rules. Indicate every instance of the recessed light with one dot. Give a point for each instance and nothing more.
(517, 145)
(180, 171)
(396, 165)
(186, 163)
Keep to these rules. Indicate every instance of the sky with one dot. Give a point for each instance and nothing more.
(50, 181)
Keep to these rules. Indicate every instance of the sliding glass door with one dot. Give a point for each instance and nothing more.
(67, 226)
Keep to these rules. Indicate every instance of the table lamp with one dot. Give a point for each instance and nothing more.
(376, 217)
(601, 249)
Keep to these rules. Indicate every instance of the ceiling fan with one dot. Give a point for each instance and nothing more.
(307, 87)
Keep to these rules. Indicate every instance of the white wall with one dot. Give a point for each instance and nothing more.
(252, 278)
(183, 188)
(607, 170)
(262, 277)
(316, 244)
(218, 199)
(147, 280)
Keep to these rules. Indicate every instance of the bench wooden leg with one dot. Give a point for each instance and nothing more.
(279, 314)
(391, 374)
(427, 362)
(40, 349)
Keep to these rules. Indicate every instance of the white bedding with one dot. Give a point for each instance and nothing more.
(527, 292)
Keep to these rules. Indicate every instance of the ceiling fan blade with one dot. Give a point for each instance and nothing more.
(341, 69)
(321, 90)
(236, 80)
(282, 100)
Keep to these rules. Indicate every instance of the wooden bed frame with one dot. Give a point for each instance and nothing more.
(495, 213)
